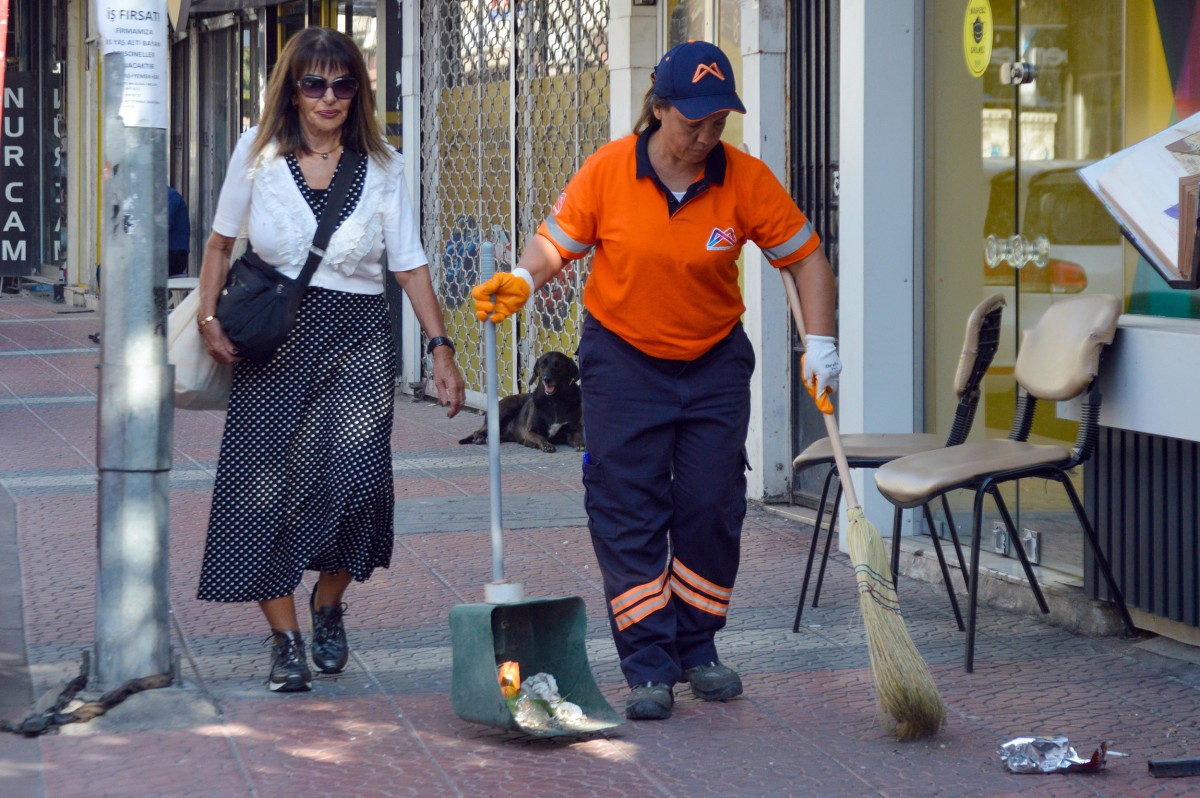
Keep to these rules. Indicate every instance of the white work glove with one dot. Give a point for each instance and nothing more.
(821, 366)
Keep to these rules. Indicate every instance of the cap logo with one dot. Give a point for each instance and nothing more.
(707, 69)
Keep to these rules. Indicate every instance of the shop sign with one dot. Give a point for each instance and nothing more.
(977, 36)
(18, 176)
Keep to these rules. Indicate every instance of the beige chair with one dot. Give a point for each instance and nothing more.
(866, 450)
(1058, 360)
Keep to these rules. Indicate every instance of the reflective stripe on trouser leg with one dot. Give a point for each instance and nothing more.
(637, 409)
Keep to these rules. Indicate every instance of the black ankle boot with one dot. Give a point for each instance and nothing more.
(330, 649)
(289, 671)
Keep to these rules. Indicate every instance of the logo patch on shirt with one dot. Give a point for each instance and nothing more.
(720, 240)
(562, 198)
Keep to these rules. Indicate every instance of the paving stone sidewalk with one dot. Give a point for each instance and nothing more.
(806, 726)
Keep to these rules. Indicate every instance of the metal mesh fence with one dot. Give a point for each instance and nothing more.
(513, 98)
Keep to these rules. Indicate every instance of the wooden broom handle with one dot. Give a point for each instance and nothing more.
(831, 425)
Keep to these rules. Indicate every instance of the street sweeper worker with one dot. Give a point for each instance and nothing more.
(666, 365)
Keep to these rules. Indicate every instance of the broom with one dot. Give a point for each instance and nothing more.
(908, 698)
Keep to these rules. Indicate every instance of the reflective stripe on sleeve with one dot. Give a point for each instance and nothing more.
(792, 244)
(565, 241)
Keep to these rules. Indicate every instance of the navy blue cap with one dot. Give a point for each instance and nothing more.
(697, 78)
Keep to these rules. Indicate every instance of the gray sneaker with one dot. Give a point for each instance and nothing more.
(650, 701)
(713, 682)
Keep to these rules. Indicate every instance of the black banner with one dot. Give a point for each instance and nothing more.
(19, 196)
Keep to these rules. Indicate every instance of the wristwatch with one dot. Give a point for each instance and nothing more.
(440, 340)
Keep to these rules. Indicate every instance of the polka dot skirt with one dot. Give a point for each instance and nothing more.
(304, 479)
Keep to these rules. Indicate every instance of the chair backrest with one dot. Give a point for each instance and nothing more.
(1060, 355)
(980, 343)
(1060, 359)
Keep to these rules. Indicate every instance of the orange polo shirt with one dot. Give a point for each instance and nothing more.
(665, 276)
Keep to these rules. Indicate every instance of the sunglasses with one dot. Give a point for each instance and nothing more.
(314, 86)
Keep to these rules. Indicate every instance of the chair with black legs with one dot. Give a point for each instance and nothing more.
(1058, 361)
(867, 450)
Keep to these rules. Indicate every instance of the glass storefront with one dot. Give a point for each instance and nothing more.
(1006, 211)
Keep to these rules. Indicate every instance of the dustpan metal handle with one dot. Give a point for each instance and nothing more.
(487, 268)
(831, 425)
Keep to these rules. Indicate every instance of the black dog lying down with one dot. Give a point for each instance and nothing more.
(551, 413)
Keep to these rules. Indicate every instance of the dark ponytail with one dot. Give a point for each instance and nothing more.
(646, 119)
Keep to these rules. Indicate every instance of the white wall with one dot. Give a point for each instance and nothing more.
(764, 92)
(82, 154)
(632, 55)
(410, 105)
(879, 286)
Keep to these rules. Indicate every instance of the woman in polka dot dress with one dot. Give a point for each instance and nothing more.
(304, 480)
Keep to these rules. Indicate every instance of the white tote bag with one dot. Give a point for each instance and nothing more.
(201, 383)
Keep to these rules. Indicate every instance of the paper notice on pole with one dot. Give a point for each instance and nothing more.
(138, 30)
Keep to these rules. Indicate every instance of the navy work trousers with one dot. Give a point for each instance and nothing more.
(665, 482)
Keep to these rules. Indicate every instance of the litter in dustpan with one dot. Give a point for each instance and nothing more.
(509, 674)
(537, 706)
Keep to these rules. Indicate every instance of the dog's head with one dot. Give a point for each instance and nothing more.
(555, 370)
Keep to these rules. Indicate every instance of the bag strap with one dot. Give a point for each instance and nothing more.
(339, 191)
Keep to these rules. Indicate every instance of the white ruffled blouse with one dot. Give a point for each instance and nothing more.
(263, 198)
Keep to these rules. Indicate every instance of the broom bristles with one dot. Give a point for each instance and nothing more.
(908, 697)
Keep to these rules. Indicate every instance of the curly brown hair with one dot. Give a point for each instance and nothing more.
(310, 50)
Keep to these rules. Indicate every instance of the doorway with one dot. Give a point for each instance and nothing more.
(1006, 212)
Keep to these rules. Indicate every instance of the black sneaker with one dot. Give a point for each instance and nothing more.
(330, 650)
(713, 682)
(650, 701)
(289, 671)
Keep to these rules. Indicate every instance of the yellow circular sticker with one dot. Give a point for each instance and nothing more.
(977, 36)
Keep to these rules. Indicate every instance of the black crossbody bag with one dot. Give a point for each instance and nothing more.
(258, 305)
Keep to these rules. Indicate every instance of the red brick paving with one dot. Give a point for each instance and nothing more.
(807, 725)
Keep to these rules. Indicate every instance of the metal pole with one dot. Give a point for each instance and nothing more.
(136, 386)
(499, 590)
(487, 267)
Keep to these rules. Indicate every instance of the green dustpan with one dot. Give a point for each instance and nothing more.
(540, 635)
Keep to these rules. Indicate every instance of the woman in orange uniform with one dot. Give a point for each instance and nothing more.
(666, 365)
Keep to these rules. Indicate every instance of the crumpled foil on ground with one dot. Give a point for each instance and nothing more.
(538, 706)
(1049, 755)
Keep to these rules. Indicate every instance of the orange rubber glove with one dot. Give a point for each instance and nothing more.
(501, 296)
